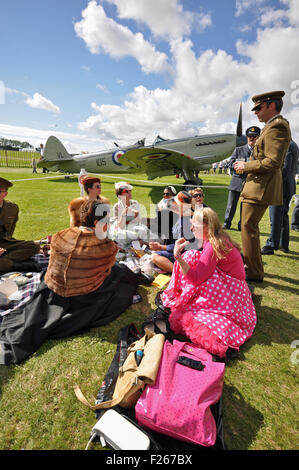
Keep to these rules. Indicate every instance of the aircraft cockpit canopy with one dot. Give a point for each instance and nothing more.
(159, 139)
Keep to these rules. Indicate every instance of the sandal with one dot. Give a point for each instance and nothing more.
(157, 322)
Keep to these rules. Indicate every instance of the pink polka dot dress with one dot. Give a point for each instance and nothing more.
(211, 304)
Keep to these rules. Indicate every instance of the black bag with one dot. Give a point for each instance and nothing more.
(127, 336)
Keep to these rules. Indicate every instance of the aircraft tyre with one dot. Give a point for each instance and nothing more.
(191, 184)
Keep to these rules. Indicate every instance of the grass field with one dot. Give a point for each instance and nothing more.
(38, 408)
(17, 159)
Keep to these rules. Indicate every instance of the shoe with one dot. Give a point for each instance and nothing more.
(226, 226)
(250, 287)
(27, 266)
(295, 228)
(285, 250)
(267, 250)
(250, 279)
(157, 322)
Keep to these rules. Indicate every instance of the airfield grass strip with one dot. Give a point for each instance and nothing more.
(38, 408)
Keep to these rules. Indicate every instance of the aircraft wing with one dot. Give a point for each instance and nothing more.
(157, 160)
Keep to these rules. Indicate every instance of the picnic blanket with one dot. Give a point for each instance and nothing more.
(45, 314)
(28, 289)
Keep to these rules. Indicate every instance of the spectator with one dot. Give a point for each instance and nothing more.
(92, 187)
(208, 296)
(279, 215)
(240, 154)
(14, 254)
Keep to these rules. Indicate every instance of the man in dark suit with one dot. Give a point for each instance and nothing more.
(240, 154)
(279, 218)
(263, 184)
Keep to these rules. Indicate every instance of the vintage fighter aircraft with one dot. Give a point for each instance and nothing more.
(164, 157)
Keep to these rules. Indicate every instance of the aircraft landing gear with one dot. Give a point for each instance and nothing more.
(191, 181)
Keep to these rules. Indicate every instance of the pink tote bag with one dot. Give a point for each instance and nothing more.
(178, 404)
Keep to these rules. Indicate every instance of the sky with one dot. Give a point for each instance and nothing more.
(102, 71)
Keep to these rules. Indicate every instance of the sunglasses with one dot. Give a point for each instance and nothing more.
(166, 194)
(198, 195)
(97, 186)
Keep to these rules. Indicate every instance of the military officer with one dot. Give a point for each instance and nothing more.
(13, 253)
(279, 215)
(240, 154)
(263, 184)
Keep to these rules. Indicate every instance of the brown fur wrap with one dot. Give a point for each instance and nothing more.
(74, 208)
(79, 262)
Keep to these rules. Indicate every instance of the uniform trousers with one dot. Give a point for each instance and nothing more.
(232, 202)
(16, 250)
(251, 216)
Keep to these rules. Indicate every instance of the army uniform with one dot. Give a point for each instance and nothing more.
(16, 250)
(241, 153)
(263, 185)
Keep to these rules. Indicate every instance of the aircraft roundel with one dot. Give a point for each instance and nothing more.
(155, 156)
(116, 155)
(81, 177)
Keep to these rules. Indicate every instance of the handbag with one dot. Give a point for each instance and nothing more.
(178, 403)
(140, 368)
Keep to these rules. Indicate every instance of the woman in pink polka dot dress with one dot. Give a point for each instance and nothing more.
(208, 296)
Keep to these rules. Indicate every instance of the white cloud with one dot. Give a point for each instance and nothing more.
(101, 33)
(102, 88)
(243, 5)
(165, 18)
(38, 101)
(73, 142)
(207, 89)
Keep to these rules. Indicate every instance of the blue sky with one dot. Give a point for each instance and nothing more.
(99, 71)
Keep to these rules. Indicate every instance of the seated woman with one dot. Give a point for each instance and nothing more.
(83, 288)
(126, 209)
(208, 296)
(166, 218)
(92, 187)
(127, 222)
(197, 198)
(163, 257)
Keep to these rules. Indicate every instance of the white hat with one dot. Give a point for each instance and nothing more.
(123, 185)
(172, 189)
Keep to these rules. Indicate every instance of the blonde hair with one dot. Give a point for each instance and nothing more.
(219, 239)
(196, 190)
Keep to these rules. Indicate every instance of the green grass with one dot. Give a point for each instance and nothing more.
(38, 408)
(16, 159)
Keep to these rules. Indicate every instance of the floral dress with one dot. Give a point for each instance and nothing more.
(215, 314)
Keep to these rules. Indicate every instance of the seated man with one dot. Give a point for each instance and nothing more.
(13, 253)
(92, 187)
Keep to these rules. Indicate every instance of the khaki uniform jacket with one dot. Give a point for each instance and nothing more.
(263, 184)
(8, 219)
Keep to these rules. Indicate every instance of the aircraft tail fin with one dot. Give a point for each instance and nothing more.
(55, 150)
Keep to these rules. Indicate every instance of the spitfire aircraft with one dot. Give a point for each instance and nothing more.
(164, 157)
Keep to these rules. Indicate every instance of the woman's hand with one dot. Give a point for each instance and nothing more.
(179, 246)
